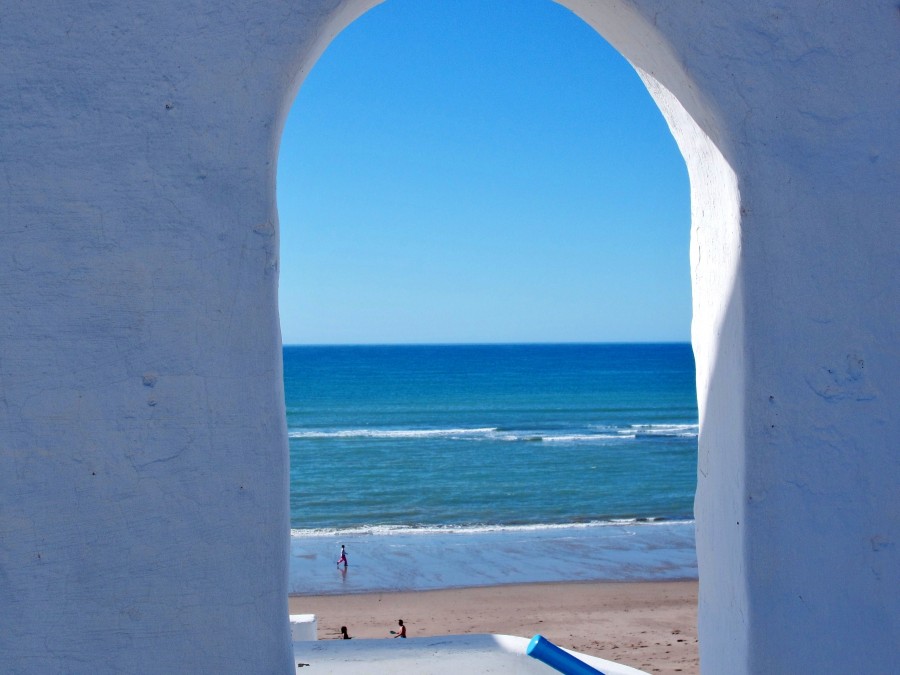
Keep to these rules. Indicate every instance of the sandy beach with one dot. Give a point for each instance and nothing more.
(648, 625)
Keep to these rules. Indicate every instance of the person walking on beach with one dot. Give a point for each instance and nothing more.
(343, 558)
(344, 634)
(402, 631)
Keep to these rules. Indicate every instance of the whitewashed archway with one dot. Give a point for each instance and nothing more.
(143, 485)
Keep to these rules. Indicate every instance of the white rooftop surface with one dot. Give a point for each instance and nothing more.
(440, 655)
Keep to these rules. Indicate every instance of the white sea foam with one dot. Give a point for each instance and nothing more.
(385, 530)
(580, 438)
(391, 433)
(679, 430)
(602, 433)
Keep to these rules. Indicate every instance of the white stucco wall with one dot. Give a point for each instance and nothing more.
(143, 456)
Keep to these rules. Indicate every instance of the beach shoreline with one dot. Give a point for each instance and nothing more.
(650, 625)
(420, 559)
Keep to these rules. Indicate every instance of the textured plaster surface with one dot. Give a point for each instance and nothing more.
(143, 455)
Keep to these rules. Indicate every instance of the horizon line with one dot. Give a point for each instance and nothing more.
(485, 344)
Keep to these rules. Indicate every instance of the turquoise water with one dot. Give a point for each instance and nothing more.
(553, 446)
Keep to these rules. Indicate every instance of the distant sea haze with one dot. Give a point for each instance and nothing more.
(550, 446)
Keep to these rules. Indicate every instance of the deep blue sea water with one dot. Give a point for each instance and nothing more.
(460, 465)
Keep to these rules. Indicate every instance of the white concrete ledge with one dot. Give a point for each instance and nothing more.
(439, 655)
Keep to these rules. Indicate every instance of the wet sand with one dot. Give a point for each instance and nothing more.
(647, 625)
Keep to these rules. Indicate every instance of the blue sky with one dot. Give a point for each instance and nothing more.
(463, 172)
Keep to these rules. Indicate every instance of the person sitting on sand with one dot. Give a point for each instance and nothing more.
(344, 634)
(402, 631)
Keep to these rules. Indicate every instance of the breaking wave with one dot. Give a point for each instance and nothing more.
(384, 530)
(596, 433)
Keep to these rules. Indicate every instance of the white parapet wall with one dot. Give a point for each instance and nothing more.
(304, 627)
(143, 450)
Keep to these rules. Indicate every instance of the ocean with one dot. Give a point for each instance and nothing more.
(462, 465)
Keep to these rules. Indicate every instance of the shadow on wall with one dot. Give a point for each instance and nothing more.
(724, 600)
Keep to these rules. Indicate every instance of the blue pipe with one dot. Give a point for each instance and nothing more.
(543, 650)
